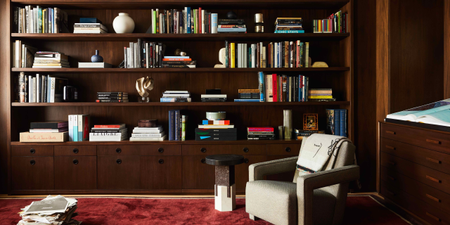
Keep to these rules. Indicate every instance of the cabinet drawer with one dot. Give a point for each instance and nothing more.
(421, 191)
(118, 172)
(75, 172)
(417, 172)
(29, 173)
(283, 149)
(223, 149)
(159, 149)
(75, 150)
(30, 150)
(118, 150)
(429, 158)
(425, 138)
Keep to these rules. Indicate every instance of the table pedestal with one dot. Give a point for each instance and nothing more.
(225, 188)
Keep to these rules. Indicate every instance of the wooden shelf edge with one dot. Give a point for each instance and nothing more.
(175, 104)
(166, 142)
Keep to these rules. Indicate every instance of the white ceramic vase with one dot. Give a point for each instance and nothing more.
(123, 24)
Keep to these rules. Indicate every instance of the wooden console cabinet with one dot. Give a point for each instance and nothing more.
(415, 170)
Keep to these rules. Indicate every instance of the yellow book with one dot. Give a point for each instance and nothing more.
(232, 53)
(43, 19)
(321, 97)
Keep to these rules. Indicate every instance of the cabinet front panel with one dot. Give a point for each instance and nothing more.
(118, 150)
(118, 172)
(32, 173)
(75, 150)
(223, 149)
(159, 150)
(283, 149)
(161, 172)
(75, 172)
(30, 150)
(196, 173)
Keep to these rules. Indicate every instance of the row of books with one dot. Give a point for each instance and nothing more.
(78, 127)
(335, 23)
(177, 126)
(260, 133)
(107, 97)
(40, 88)
(144, 54)
(287, 54)
(23, 55)
(37, 19)
(49, 59)
(289, 25)
(176, 96)
(283, 88)
(337, 122)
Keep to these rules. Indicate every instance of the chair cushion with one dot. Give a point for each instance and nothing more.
(276, 202)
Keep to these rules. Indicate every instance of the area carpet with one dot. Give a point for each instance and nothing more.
(360, 210)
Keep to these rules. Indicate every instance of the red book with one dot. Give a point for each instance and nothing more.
(117, 126)
(199, 25)
(177, 59)
(275, 87)
(268, 129)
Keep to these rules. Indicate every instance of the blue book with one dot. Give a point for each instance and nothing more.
(289, 31)
(342, 119)
(89, 20)
(231, 30)
(337, 122)
(75, 128)
(247, 100)
(261, 86)
(177, 125)
(188, 13)
(214, 23)
(171, 125)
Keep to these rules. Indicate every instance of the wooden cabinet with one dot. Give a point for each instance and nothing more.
(32, 173)
(75, 172)
(118, 172)
(196, 173)
(161, 172)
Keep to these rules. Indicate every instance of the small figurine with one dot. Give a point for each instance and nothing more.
(221, 59)
(143, 86)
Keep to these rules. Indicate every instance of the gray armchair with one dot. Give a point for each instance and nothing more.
(317, 198)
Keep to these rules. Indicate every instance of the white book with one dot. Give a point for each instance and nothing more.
(147, 55)
(49, 87)
(175, 92)
(93, 137)
(253, 55)
(18, 54)
(30, 89)
(213, 95)
(150, 135)
(94, 65)
(147, 128)
(131, 55)
(148, 139)
(38, 88)
(34, 89)
(70, 127)
(264, 49)
(176, 95)
(52, 89)
(128, 58)
(245, 55)
(203, 22)
(24, 59)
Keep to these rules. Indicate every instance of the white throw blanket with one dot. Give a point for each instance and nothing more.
(319, 152)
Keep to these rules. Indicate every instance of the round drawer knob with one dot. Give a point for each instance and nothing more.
(118, 150)
(75, 150)
(203, 150)
(32, 162)
(32, 151)
(75, 161)
(246, 160)
(203, 161)
(160, 150)
(161, 161)
(246, 149)
(287, 149)
(119, 161)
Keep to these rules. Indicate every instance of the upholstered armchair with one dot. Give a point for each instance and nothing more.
(316, 198)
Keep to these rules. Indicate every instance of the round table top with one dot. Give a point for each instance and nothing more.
(224, 160)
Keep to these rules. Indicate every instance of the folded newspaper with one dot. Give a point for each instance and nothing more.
(54, 210)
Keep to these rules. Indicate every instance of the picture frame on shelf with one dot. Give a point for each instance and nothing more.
(310, 121)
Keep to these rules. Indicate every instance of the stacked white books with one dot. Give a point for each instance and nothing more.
(115, 132)
(46, 59)
(89, 28)
(94, 65)
(176, 96)
(148, 134)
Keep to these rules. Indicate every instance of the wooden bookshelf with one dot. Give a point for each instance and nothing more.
(141, 170)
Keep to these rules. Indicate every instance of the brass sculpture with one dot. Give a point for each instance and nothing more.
(143, 86)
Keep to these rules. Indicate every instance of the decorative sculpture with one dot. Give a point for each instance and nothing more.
(221, 59)
(143, 86)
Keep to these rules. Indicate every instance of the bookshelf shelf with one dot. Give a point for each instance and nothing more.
(178, 104)
(184, 37)
(178, 70)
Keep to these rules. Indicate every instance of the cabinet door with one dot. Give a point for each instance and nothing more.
(32, 173)
(161, 172)
(196, 173)
(118, 172)
(75, 172)
(242, 170)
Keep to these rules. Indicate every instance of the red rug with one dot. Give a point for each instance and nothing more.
(360, 210)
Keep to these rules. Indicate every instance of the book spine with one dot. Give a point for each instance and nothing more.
(214, 18)
(177, 125)
(274, 88)
(171, 125)
(343, 122)
(70, 128)
(183, 127)
(75, 128)
(233, 54)
(337, 124)
(306, 54)
(80, 128)
(261, 86)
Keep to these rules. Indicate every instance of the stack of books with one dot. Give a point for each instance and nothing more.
(148, 134)
(177, 126)
(46, 132)
(178, 62)
(186, 21)
(40, 20)
(46, 59)
(337, 123)
(289, 25)
(118, 97)
(321, 94)
(89, 26)
(79, 127)
(260, 133)
(248, 95)
(283, 88)
(216, 130)
(40, 88)
(214, 95)
(231, 26)
(176, 96)
(50, 210)
(114, 132)
(23, 55)
(300, 134)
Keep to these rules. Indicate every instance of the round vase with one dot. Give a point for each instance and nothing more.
(123, 24)
(96, 57)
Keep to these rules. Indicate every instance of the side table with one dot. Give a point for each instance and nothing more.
(224, 187)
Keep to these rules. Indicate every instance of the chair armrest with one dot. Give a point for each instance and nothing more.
(257, 171)
(307, 183)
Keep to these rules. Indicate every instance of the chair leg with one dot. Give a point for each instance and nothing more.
(253, 217)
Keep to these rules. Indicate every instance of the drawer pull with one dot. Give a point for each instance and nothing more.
(246, 161)
(203, 161)
(119, 161)
(434, 160)
(392, 163)
(161, 161)
(118, 150)
(287, 149)
(390, 192)
(390, 132)
(75, 162)
(32, 162)
(390, 147)
(433, 141)
(75, 150)
(433, 198)
(433, 216)
(32, 151)
(433, 179)
(391, 178)
(245, 150)
(160, 150)
(203, 150)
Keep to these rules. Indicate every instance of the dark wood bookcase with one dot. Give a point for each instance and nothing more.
(169, 167)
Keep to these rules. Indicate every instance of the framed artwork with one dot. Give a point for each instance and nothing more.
(310, 121)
